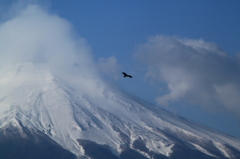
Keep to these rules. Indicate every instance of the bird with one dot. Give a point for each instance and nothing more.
(126, 75)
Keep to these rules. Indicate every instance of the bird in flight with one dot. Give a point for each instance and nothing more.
(126, 75)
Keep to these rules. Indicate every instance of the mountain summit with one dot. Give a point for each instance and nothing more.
(79, 117)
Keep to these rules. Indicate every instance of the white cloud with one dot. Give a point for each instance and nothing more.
(110, 66)
(34, 35)
(194, 71)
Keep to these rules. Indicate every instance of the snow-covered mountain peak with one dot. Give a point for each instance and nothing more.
(74, 109)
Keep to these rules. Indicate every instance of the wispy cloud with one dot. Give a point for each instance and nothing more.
(110, 66)
(194, 71)
(34, 35)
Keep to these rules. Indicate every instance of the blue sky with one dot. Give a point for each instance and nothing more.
(183, 55)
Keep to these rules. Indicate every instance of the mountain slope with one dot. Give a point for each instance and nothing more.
(16, 142)
(87, 118)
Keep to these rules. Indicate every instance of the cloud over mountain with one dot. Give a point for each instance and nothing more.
(195, 71)
(36, 36)
(110, 66)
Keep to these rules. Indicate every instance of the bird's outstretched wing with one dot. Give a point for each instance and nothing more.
(124, 73)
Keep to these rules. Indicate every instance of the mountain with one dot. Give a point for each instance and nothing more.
(46, 115)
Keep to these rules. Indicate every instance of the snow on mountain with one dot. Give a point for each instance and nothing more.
(73, 108)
